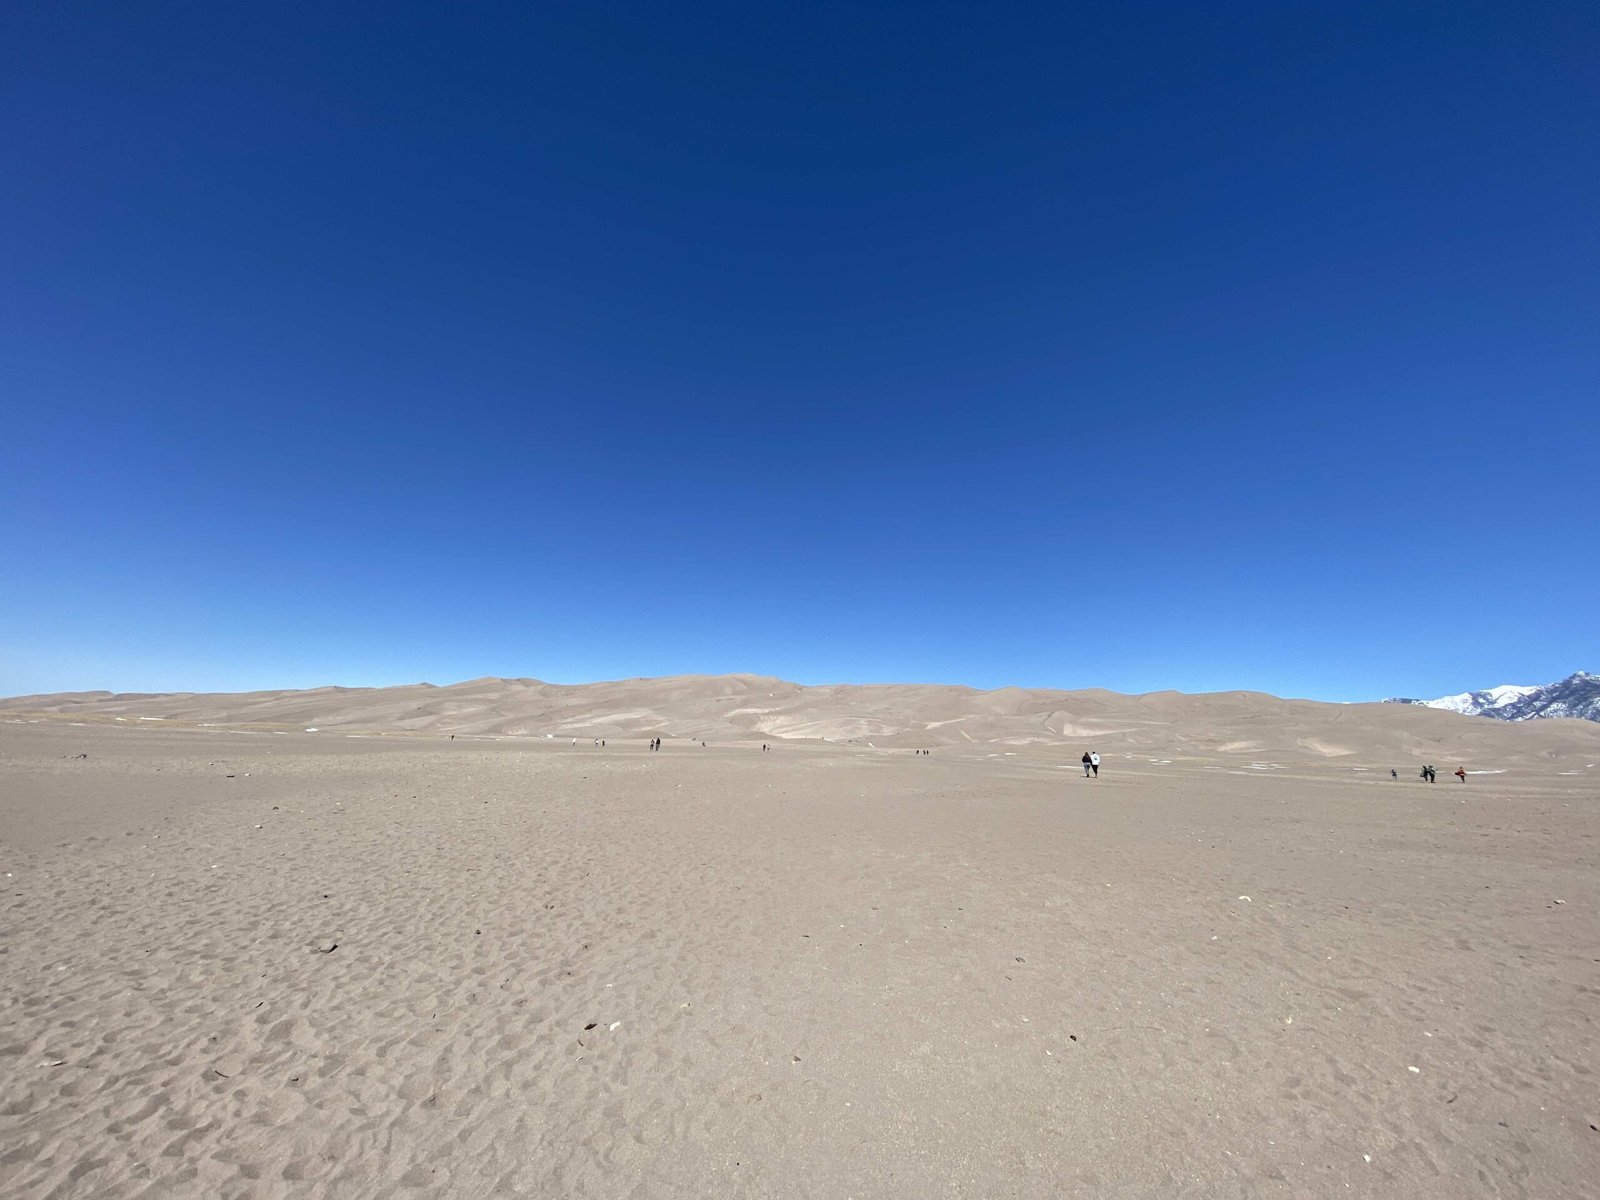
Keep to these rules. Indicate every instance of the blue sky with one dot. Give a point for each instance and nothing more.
(1189, 346)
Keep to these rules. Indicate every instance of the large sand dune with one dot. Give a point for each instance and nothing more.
(1241, 725)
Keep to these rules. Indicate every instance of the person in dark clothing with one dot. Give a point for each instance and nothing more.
(1086, 764)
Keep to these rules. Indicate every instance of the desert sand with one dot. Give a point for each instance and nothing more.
(242, 963)
(1243, 726)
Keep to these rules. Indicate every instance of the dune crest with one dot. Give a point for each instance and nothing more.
(891, 716)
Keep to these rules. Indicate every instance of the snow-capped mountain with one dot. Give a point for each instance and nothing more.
(1575, 696)
(1477, 704)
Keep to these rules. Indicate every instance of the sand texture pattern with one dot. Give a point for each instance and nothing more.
(724, 708)
(259, 965)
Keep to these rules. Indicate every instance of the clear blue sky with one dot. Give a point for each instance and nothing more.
(1138, 346)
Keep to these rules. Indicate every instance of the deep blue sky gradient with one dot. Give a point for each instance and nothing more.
(1193, 346)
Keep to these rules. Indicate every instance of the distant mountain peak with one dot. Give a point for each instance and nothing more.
(1576, 696)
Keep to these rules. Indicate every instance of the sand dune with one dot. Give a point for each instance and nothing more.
(747, 707)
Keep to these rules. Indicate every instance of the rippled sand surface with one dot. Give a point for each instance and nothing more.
(241, 965)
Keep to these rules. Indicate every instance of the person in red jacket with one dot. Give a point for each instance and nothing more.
(1461, 774)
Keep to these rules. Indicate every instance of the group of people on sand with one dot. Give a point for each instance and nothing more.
(1091, 764)
(1432, 775)
(655, 743)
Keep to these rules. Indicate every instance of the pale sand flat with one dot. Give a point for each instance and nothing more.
(820, 971)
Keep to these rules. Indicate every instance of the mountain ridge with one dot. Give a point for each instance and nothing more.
(1577, 697)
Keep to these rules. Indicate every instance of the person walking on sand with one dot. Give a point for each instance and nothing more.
(1461, 774)
(1094, 761)
(1087, 763)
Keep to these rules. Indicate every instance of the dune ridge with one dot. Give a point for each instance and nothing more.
(888, 716)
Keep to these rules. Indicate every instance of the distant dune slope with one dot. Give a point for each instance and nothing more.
(1244, 725)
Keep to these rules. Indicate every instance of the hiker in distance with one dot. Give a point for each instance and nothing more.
(1094, 761)
(1087, 763)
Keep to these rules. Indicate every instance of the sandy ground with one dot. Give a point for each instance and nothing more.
(315, 965)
